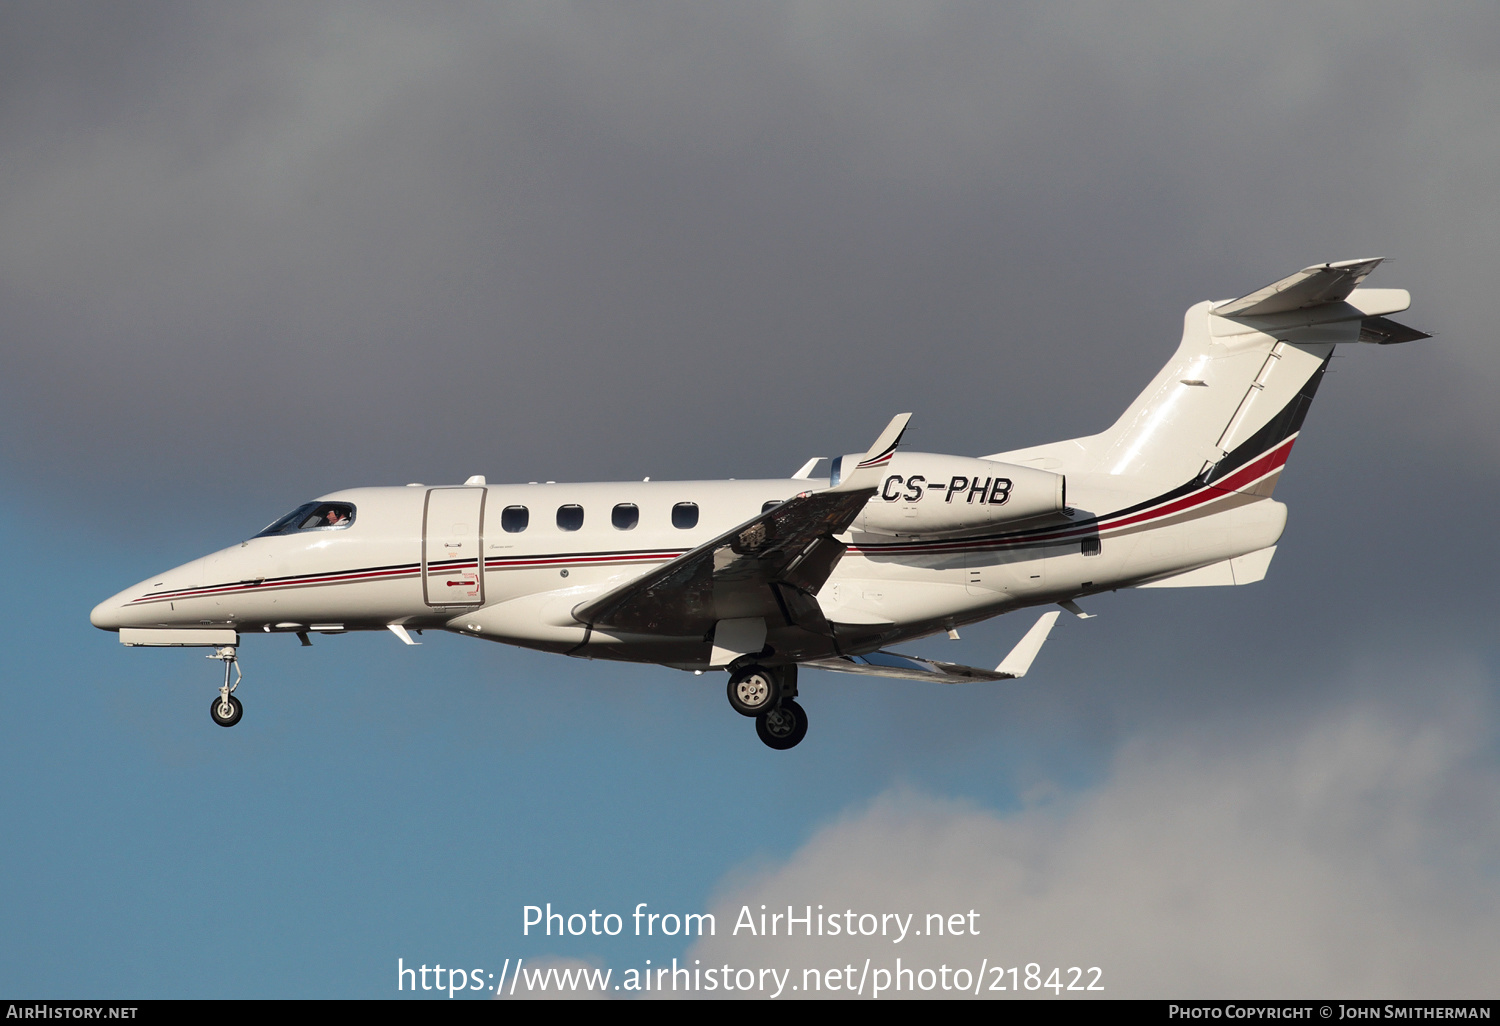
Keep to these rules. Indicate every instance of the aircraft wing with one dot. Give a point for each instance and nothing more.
(770, 566)
(904, 667)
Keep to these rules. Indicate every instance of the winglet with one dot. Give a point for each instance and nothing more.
(1019, 661)
(866, 473)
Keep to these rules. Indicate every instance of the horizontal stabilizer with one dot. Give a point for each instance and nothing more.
(1311, 286)
(905, 667)
(1385, 332)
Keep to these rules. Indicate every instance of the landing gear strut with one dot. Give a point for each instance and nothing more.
(226, 709)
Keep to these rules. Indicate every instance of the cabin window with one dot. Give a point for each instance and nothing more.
(513, 519)
(685, 515)
(766, 507)
(569, 518)
(1090, 546)
(312, 516)
(625, 516)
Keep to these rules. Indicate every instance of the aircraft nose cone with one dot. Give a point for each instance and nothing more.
(106, 615)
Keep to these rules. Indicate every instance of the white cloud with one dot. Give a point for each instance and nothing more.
(1348, 855)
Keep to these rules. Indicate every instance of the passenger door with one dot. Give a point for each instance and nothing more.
(452, 575)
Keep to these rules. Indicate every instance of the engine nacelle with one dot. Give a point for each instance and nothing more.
(925, 493)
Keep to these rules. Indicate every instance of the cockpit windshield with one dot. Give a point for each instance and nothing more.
(312, 516)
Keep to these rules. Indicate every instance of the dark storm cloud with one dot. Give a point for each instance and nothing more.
(359, 243)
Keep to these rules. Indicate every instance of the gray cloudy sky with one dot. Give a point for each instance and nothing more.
(255, 252)
(336, 244)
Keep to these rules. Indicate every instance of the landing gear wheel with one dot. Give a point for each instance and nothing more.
(782, 727)
(753, 690)
(235, 711)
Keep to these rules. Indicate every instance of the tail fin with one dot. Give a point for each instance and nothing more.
(1227, 407)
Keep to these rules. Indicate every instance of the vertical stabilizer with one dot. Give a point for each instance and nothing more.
(1227, 407)
(1219, 392)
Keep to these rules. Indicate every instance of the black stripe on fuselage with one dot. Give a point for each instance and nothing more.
(1284, 425)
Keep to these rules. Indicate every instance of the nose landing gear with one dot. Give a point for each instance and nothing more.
(226, 709)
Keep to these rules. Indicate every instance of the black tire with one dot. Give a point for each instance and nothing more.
(754, 690)
(783, 727)
(235, 712)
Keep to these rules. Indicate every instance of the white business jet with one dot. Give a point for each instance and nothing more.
(761, 577)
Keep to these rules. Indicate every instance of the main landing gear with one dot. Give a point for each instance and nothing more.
(784, 726)
(226, 709)
(770, 696)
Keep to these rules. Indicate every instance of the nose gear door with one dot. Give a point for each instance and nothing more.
(452, 576)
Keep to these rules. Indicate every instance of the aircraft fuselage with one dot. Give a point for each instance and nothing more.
(442, 558)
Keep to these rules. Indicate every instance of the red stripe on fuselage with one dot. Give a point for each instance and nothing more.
(295, 582)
